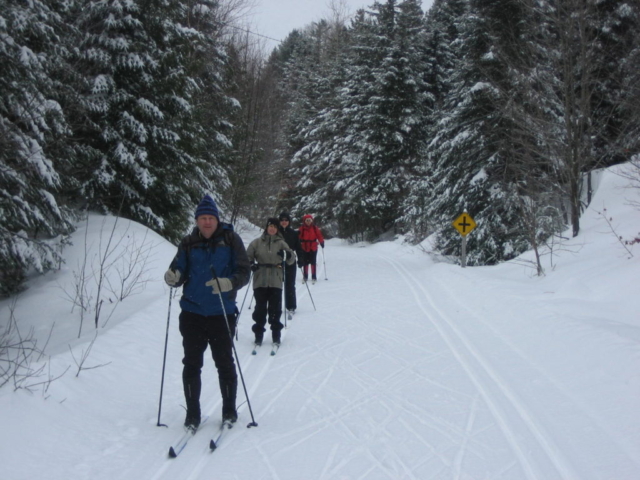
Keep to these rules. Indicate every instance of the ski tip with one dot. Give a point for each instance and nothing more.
(212, 445)
(172, 453)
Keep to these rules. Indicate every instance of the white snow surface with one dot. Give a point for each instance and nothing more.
(408, 368)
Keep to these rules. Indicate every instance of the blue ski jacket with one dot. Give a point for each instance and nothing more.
(198, 258)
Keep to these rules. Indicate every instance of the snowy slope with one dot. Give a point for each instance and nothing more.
(408, 369)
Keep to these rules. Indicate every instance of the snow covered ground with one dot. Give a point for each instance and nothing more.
(409, 369)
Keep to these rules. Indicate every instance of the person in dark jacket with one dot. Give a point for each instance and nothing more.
(268, 252)
(211, 265)
(291, 237)
(310, 237)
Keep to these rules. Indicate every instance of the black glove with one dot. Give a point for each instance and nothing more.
(283, 253)
(254, 267)
(300, 264)
(322, 244)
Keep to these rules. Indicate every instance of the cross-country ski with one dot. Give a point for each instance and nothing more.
(226, 425)
(182, 442)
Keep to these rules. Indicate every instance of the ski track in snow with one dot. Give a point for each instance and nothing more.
(496, 391)
(465, 440)
(462, 348)
(576, 402)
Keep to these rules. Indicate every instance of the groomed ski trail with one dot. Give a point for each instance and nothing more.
(469, 358)
(407, 379)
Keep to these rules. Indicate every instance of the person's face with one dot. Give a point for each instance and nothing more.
(272, 229)
(207, 224)
(307, 221)
(284, 223)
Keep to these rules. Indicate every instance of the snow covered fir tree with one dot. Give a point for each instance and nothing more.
(391, 122)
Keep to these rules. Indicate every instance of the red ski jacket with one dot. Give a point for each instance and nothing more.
(310, 236)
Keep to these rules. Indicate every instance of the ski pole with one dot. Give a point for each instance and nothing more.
(164, 360)
(307, 284)
(252, 297)
(233, 347)
(242, 306)
(324, 265)
(284, 288)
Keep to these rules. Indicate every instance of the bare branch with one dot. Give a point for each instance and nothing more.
(84, 356)
(18, 356)
(622, 242)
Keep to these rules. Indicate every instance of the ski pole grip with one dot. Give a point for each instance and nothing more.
(215, 276)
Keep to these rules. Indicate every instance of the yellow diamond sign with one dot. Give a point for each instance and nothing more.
(464, 224)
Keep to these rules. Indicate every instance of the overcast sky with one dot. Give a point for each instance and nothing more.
(276, 18)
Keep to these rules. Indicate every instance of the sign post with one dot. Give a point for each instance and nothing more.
(464, 224)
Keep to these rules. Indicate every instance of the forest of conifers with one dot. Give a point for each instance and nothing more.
(392, 121)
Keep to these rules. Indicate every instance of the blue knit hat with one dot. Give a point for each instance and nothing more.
(207, 207)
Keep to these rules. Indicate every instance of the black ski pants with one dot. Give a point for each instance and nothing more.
(268, 307)
(290, 302)
(197, 332)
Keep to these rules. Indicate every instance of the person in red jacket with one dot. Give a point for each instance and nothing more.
(310, 237)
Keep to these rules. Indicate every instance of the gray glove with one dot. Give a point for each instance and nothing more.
(225, 285)
(172, 278)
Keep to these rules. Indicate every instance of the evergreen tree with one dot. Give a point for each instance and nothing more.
(470, 154)
(154, 104)
(616, 79)
(360, 150)
(444, 25)
(117, 61)
(33, 223)
(191, 148)
(311, 76)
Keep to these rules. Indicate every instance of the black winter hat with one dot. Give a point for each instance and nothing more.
(285, 216)
(272, 221)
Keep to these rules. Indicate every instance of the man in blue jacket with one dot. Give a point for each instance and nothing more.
(211, 249)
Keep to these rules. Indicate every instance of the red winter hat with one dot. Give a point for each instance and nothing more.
(307, 216)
